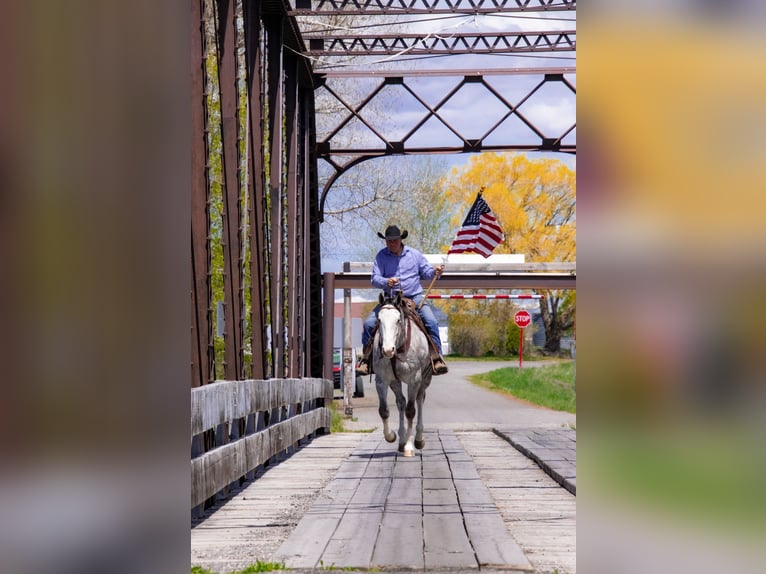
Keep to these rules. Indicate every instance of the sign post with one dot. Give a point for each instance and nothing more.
(522, 319)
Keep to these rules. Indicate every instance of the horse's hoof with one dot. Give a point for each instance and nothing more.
(409, 452)
(401, 448)
(391, 437)
(420, 444)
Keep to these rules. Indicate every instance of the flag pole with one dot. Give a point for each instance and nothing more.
(427, 291)
(444, 262)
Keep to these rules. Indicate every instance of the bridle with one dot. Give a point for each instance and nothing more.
(405, 336)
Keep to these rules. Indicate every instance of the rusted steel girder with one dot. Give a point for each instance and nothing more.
(201, 324)
(256, 188)
(391, 7)
(350, 44)
(232, 216)
(274, 32)
(293, 248)
(313, 252)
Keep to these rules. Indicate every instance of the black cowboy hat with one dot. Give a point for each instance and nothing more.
(392, 232)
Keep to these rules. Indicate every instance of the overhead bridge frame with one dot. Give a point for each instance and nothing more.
(273, 201)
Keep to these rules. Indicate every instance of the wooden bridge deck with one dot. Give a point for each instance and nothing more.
(467, 501)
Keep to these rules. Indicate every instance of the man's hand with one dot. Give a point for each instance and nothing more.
(439, 270)
(392, 281)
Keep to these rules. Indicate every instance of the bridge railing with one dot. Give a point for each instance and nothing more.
(245, 424)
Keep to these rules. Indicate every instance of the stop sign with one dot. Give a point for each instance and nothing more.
(522, 318)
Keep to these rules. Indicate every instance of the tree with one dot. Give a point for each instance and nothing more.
(534, 201)
(481, 328)
(368, 198)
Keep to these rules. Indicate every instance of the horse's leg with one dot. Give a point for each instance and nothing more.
(396, 386)
(382, 389)
(413, 391)
(419, 440)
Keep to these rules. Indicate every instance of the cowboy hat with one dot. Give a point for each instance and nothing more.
(392, 232)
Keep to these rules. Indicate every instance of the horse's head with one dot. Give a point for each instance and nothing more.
(391, 325)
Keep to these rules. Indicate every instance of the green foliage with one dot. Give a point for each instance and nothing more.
(512, 340)
(484, 328)
(262, 567)
(334, 568)
(551, 386)
(336, 424)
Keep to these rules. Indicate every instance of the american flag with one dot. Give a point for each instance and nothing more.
(480, 231)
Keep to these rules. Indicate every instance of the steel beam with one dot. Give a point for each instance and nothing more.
(274, 29)
(292, 286)
(395, 7)
(432, 44)
(472, 281)
(256, 181)
(201, 326)
(232, 257)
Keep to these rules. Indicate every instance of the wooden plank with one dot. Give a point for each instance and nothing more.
(399, 543)
(258, 519)
(305, 546)
(225, 401)
(217, 468)
(491, 541)
(539, 514)
(445, 541)
(354, 539)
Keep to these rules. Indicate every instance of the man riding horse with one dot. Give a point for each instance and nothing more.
(398, 267)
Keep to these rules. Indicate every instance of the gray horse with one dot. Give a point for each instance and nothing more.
(401, 355)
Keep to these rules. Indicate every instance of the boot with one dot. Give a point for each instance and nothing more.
(440, 367)
(364, 367)
(438, 364)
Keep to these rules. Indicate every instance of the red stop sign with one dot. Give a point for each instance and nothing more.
(522, 318)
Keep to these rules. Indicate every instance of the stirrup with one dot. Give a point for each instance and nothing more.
(364, 367)
(439, 366)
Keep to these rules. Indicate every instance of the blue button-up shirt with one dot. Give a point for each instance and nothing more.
(410, 267)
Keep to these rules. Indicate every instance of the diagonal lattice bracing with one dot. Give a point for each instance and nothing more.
(370, 138)
(372, 7)
(486, 43)
(512, 114)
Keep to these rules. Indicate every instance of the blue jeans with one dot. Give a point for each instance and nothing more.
(426, 313)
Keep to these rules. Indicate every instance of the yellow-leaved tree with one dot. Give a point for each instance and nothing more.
(534, 202)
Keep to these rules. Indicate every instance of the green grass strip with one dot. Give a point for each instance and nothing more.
(551, 386)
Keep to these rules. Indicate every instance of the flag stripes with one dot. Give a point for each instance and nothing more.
(480, 232)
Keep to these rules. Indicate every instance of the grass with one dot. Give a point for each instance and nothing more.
(334, 568)
(531, 357)
(550, 386)
(337, 423)
(252, 569)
